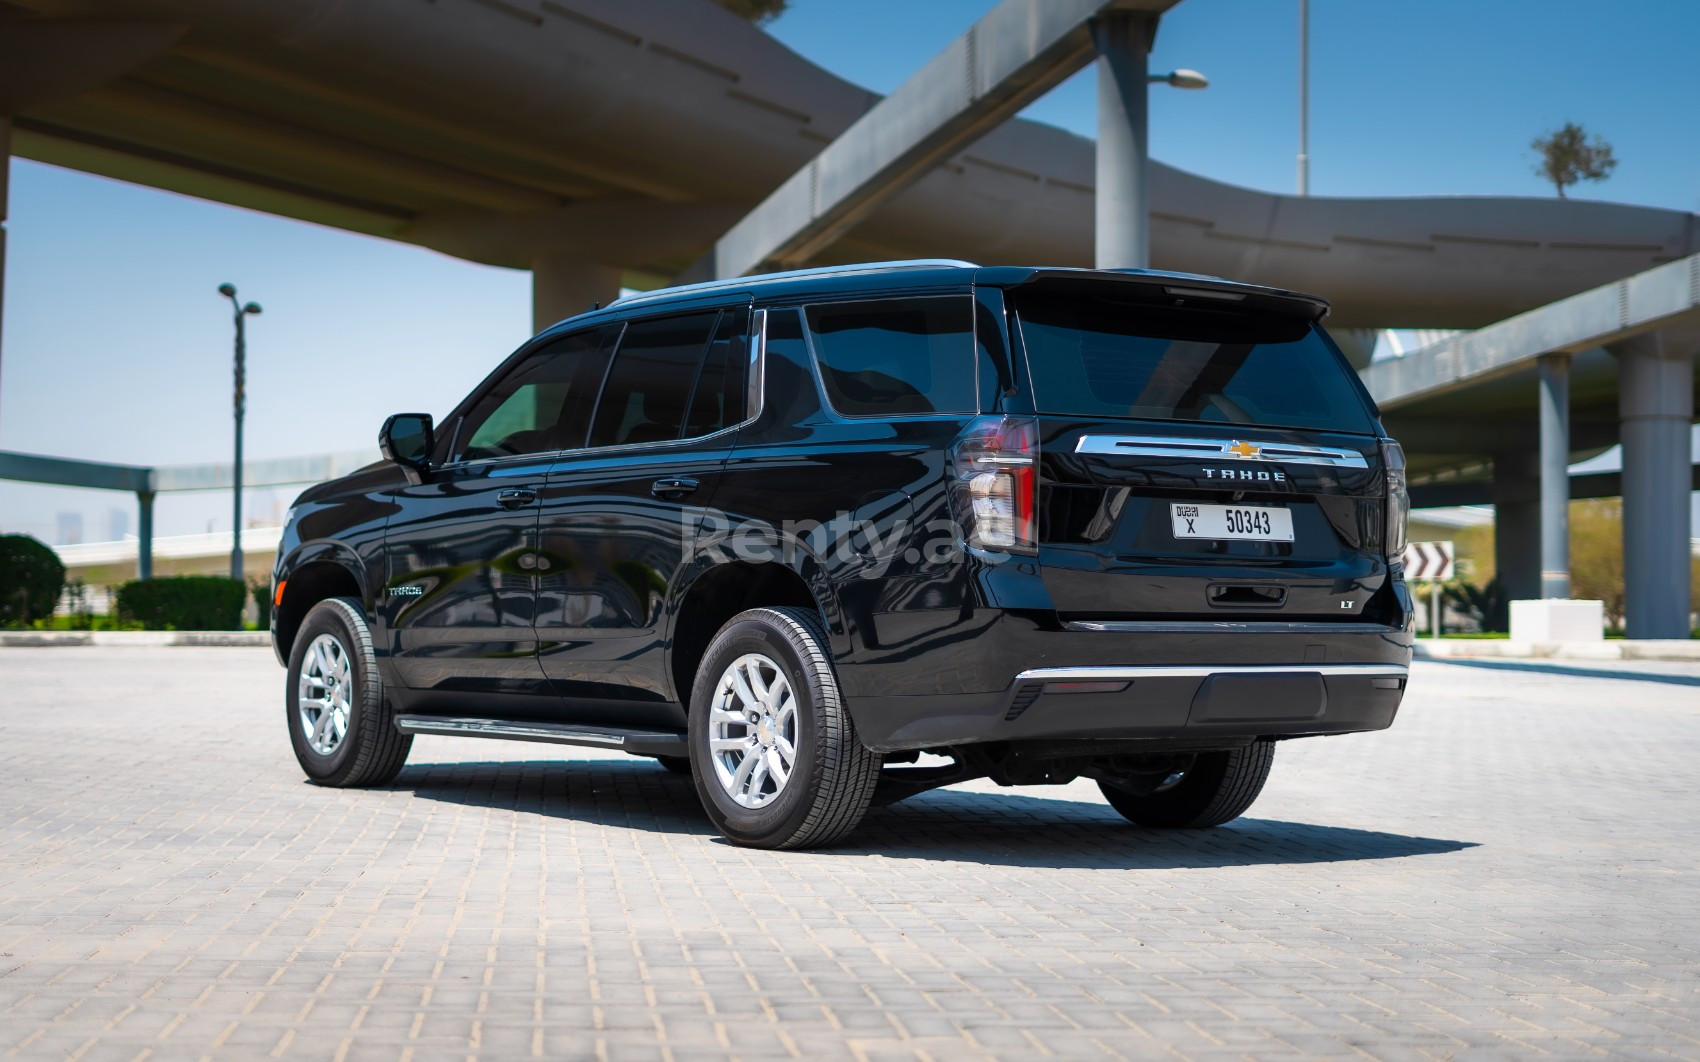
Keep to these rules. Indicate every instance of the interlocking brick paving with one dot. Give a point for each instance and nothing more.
(1509, 871)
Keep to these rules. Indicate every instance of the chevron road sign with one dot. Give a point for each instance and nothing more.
(1429, 560)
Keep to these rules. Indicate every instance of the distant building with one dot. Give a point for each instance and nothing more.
(117, 524)
(68, 529)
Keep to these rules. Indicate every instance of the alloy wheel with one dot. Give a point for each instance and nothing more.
(753, 730)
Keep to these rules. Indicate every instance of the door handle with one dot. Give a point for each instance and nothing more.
(672, 487)
(517, 498)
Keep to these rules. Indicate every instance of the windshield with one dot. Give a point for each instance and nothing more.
(1098, 357)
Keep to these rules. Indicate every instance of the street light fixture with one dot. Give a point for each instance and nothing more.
(1181, 79)
(240, 312)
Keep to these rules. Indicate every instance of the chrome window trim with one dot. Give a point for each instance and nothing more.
(1093, 674)
(1216, 450)
(756, 398)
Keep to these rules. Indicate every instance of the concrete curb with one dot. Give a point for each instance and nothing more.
(133, 639)
(1614, 649)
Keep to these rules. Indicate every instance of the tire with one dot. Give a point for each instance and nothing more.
(370, 751)
(831, 776)
(1217, 788)
(676, 764)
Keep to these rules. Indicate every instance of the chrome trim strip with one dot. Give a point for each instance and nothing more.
(758, 367)
(412, 724)
(1091, 674)
(1216, 450)
(1226, 627)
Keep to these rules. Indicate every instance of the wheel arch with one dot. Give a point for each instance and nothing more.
(312, 574)
(717, 592)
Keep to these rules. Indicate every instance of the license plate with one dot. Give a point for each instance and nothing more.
(1255, 523)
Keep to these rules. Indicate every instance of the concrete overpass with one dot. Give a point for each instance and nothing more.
(595, 140)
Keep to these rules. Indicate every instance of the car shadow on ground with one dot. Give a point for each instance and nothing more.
(1005, 829)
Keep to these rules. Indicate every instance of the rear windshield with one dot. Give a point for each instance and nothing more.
(1098, 357)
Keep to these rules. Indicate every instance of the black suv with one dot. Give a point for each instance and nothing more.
(791, 534)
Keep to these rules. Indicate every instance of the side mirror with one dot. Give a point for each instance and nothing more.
(408, 439)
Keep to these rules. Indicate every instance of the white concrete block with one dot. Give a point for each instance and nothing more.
(1558, 621)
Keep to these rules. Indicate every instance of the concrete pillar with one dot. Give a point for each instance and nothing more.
(1555, 476)
(1517, 523)
(1122, 237)
(1656, 407)
(565, 284)
(5, 192)
(144, 534)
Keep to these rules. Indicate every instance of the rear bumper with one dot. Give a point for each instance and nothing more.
(1157, 701)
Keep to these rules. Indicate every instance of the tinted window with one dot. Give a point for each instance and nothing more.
(650, 383)
(1095, 357)
(542, 404)
(719, 399)
(896, 356)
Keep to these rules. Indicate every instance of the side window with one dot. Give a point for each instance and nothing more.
(542, 404)
(896, 356)
(720, 395)
(649, 385)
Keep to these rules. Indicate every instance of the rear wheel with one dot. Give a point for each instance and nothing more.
(1219, 787)
(775, 755)
(340, 723)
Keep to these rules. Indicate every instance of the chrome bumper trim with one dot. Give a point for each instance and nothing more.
(1095, 674)
(1226, 627)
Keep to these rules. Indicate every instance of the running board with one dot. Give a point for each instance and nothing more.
(638, 742)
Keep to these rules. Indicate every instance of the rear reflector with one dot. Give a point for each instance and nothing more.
(1086, 687)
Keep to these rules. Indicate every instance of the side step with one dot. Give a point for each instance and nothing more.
(638, 742)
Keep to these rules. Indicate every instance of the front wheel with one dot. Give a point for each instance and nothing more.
(774, 752)
(339, 722)
(1219, 787)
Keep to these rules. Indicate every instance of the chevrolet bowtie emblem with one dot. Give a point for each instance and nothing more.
(1244, 449)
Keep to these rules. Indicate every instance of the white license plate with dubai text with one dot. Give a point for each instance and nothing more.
(1255, 523)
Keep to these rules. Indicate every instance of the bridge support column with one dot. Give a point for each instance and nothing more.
(1517, 523)
(1122, 238)
(1656, 408)
(5, 192)
(144, 534)
(564, 284)
(1555, 476)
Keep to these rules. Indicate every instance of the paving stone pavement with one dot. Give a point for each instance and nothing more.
(1511, 871)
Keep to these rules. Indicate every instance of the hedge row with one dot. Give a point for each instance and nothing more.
(184, 603)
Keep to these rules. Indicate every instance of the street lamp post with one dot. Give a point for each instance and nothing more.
(1304, 97)
(240, 312)
(1123, 40)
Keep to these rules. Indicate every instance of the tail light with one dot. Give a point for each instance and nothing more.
(1398, 500)
(995, 461)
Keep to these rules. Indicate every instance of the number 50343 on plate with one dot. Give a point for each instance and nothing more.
(1255, 523)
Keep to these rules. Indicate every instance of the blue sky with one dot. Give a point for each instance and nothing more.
(117, 346)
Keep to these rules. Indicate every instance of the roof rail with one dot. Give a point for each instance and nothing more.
(798, 274)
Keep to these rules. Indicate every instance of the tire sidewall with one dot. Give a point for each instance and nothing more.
(768, 826)
(327, 617)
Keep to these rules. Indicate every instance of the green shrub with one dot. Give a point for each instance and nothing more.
(31, 579)
(262, 594)
(184, 603)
